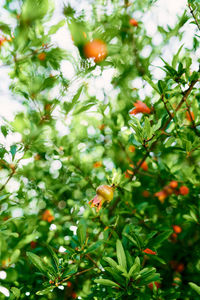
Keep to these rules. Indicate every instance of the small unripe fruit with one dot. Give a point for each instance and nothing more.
(105, 191)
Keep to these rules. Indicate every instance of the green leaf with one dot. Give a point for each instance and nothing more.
(38, 263)
(71, 269)
(152, 84)
(93, 247)
(147, 128)
(15, 291)
(135, 267)
(15, 255)
(55, 28)
(13, 150)
(5, 28)
(121, 254)
(4, 130)
(106, 282)
(195, 287)
(54, 256)
(46, 291)
(111, 262)
(176, 56)
(81, 232)
(114, 274)
(158, 240)
(83, 108)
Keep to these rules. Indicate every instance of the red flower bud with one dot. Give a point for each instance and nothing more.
(149, 251)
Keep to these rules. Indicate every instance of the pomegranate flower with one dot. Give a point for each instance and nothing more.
(140, 107)
(149, 251)
(96, 201)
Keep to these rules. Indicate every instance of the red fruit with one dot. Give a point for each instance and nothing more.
(96, 49)
(173, 184)
(145, 194)
(180, 268)
(133, 22)
(105, 191)
(157, 284)
(69, 284)
(140, 107)
(177, 229)
(74, 295)
(149, 251)
(184, 190)
(174, 237)
(33, 244)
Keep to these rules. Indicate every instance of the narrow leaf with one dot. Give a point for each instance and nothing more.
(121, 254)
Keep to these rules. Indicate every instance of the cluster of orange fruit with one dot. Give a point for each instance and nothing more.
(171, 188)
(47, 216)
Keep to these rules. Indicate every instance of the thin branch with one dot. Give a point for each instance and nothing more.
(10, 176)
(76, 274)
(165, 104)
(192, 13)
(186, 94)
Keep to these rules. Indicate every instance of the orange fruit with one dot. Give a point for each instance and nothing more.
(184, 190)
(96, 49)
(131, 148)
(177, 228)
(173, 184)
(42, 56)
(133, 22)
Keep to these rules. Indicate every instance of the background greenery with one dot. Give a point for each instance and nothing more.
(72, 139)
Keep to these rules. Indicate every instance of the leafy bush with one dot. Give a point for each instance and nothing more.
(100, 168)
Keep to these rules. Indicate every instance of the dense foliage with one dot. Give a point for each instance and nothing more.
(100, 177)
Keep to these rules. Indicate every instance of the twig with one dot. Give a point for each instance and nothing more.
(192, 12)
(76, 274)
(165, 104)
(13, 172)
